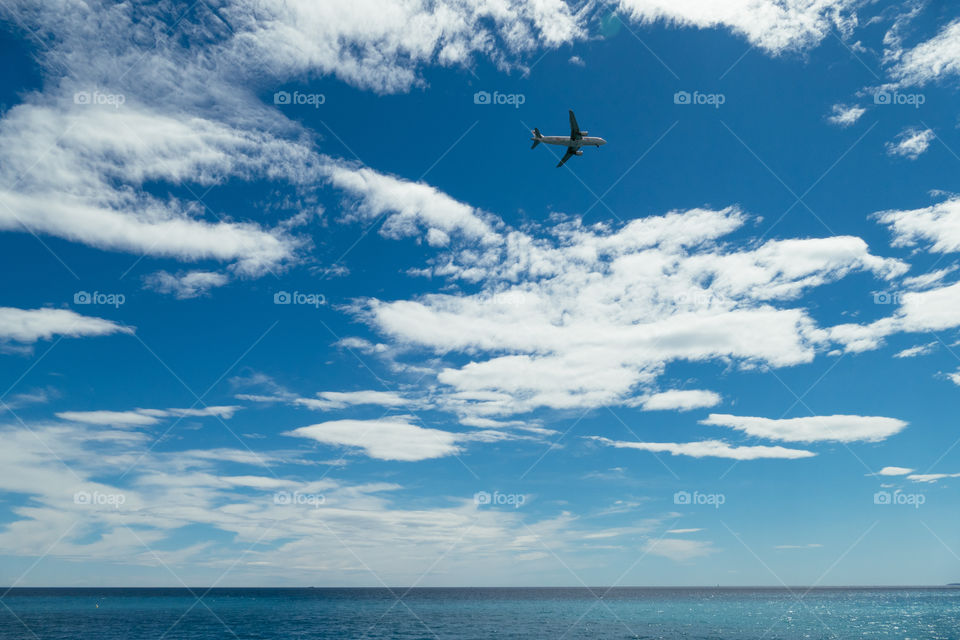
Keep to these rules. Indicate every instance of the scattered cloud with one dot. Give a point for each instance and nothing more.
(930, 478)
(324, 400)
(936, 226)
(837, 428)
(82, 187)
(845, 115)
(928, 280)
(931, 60)
(112, 418)
(30, 325)
(911, 142)
(143, 417)
(918, 350)
(918, 311)
(185, 285)
(812, 545)
(894, 471)
(393, 438)
(681, 400)
(773, 26)
(579, 317)
(709, 449)
(410, 207)
(341, 399)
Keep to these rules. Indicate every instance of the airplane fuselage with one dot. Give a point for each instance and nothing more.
(566, 141)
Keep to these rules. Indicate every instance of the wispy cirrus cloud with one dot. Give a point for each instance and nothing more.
(144, 417)
(709, 449)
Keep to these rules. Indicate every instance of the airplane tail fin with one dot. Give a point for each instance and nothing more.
(536, 138)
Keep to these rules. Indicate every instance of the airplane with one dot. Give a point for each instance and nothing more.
(576, 140)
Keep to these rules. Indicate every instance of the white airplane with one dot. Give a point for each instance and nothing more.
(576, 140)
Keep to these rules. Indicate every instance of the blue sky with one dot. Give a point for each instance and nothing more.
(374, 339)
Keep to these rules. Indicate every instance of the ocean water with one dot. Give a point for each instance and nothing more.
(481, 614)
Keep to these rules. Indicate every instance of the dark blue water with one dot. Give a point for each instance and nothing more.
(481, 614)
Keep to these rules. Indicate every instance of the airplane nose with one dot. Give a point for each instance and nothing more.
(602, 141)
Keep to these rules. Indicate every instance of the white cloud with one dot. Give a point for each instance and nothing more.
(327, 400)
(838, 428)
(931, 477)
(679, 531)
(391, 438)
(225, 411)
(845, 115)
(931, 60)
(709, 449)
(577, 60)
(911, 143)
(580, 316)
(410, 206)
(894, 471)
(143, 417)
(937, 226)
(772, 25)
(165, 491)
(324, 400)
(191, 284)
(112, 418)
(681, 400)
(812, 545)
(918, 350)
(381, 47)
(72, 192)
(30, 325)
(919, 311)
(928, 280)
(954, 377)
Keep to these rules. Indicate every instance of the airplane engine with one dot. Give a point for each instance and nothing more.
(578, 152)
(583, 133)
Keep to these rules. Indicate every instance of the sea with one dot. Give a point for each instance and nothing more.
(481, 613)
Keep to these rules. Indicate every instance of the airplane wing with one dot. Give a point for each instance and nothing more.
(574, 128)
(570, 152)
